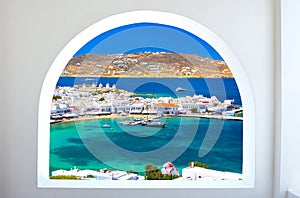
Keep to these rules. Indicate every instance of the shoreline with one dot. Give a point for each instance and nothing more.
(208, 116)
(115, 116)
(102, 117)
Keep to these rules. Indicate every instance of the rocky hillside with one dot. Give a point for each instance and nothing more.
(159, 64)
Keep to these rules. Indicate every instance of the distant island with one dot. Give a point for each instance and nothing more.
(146, 64)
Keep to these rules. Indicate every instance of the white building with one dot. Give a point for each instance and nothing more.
(166, 108)
(98, 175)
(136, 108)
(197, 173)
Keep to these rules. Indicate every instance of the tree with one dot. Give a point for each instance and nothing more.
(152, 172)
(199, 164)
(101, 99)
(169, 177)
(194, 110)
(56, 97)
(67, 177)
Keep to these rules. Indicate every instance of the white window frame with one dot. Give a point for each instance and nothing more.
(187, 24)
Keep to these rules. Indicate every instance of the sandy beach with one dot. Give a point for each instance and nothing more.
(102, 117)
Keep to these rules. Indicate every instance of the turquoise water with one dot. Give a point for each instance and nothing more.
(88, 145)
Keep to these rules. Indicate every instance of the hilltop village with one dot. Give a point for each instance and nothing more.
(88, 101)
(146, 64)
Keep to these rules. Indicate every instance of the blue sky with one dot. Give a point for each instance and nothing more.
(141, 37)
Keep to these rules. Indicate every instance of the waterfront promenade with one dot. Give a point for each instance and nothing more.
(209, 116)
(117, 116)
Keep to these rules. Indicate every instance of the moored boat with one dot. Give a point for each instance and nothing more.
(55, 121)
(155, 123)
(129, 123)
(106, 126)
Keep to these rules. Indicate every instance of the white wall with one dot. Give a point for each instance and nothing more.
(33, 32)
(290, 125)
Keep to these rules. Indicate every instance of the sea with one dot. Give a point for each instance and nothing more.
(92, 145)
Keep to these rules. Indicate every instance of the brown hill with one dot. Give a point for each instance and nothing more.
(159, 64)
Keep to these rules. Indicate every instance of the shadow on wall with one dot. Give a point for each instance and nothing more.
(293, 194)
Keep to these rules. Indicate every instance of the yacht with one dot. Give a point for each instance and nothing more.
(155, 123)
(178, 89)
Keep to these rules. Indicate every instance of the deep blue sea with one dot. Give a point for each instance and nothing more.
(222, 88)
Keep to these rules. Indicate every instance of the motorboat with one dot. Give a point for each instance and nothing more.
(70, 115)
(138, 120)
(106, 126)
(129, 123)
(178, 89)
(154, 123)
(55, 121)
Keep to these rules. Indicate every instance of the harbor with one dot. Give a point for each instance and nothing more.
(87, 119)
(87, 144)
(83, 102)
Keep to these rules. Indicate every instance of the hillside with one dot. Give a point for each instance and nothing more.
(161, 64)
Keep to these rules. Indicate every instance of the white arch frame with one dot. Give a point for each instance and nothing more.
(152, 17)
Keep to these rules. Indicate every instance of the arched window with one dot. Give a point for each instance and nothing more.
(146, 95)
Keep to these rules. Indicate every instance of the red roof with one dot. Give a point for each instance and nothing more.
(168, 165)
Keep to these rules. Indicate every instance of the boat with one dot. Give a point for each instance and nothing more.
(133, 123)
(56, 117)
(138, 120)
(81, 113)
(123, 114)
(70, 115)
(106, 126)
(129, 123)
(154, 123)
(178, 89)
(55, 121)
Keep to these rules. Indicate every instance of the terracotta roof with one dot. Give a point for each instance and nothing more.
(165, 105)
